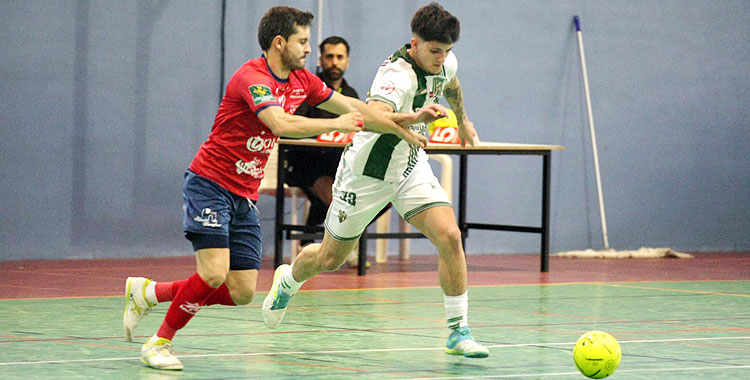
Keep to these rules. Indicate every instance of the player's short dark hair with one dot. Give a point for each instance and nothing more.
(334, 40)
(433, 23)
(281, 21)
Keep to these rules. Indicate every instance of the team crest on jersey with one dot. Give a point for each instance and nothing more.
(260, 93)
(435, 84)
(342, 216)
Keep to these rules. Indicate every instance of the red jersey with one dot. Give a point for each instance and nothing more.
(237, 149)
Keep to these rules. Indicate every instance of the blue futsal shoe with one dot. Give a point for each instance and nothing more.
(460, 342)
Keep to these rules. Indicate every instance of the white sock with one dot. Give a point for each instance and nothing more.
(151, 293)
(457, 310)
(288, 284)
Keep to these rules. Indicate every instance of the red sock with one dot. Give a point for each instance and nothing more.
(185, 304)
(165, 291)
(221, 296)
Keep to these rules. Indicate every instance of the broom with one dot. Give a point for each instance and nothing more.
(643, 252)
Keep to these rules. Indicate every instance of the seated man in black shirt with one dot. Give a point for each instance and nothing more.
(314, 171)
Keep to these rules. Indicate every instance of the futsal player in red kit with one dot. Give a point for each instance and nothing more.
(221, 184)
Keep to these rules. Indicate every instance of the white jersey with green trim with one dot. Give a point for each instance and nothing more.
(407, 88)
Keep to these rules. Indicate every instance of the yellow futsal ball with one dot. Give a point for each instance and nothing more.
(597, 354)
(448, 120)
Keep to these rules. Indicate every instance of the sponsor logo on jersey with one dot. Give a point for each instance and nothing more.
(260, 93)
(208, 218)
(387, 88)
(298, 93)
(259, 144)
(252, 168)
(418, 128)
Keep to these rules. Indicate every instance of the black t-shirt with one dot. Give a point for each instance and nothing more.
(317, 113)
(305, 166)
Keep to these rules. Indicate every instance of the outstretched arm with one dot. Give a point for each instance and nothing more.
(454, 96)
(426, 114)
(286, 125)
(374, 121)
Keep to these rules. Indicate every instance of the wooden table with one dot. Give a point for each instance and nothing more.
(484, 148)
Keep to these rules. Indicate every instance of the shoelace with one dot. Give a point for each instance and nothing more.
(465, 336)
(169, 348)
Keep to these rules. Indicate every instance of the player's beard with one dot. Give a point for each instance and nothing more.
(332, 74)
(290, 61)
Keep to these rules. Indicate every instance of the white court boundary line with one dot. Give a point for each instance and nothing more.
(515, 376)
(328, 352)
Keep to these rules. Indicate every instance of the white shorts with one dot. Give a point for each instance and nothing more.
(357, 199)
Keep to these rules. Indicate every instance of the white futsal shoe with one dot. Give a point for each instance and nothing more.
(136, 305)
(158, 353)
(274, 305)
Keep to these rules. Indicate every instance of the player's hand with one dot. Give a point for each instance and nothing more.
(349, 122)
(414, 138)
(430, 113)
(467, 133)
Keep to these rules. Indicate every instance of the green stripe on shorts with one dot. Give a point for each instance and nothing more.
(423, 207)
(339, 238)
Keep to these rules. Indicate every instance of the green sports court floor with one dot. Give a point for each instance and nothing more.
(667, 330)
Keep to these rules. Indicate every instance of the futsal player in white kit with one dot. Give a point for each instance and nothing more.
(377, 169)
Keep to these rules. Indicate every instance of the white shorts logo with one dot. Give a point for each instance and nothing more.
(208, 218)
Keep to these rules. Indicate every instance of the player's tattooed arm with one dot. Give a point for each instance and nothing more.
(466, 132)
(455, 98)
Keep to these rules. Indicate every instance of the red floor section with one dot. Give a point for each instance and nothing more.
(76, 278)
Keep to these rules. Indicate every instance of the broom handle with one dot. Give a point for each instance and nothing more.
(593, 134)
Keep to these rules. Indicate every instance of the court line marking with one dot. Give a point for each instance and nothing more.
(327, 329)
(418, 287)
(677, 290)
(514, 376)
(369, 350)
(525, 284)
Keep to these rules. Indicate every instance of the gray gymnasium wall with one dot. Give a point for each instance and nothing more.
(104, 104)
